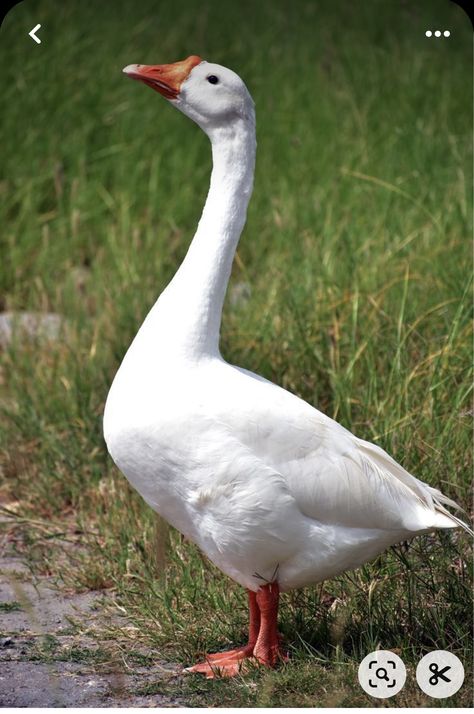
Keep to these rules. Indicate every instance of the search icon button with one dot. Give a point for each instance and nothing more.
(382, 674)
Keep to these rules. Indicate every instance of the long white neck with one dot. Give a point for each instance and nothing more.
(188, 313)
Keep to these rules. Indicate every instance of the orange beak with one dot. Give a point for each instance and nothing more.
(164, 78)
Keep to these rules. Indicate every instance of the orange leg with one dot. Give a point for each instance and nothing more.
(254, 628)
(267, 648)
(264, 640)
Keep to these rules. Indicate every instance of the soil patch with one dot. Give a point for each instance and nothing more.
(46, 660)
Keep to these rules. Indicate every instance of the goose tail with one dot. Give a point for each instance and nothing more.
(446, 519)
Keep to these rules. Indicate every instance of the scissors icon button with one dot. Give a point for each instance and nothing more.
(440, 674)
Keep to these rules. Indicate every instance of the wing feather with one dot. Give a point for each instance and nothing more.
(335, 477)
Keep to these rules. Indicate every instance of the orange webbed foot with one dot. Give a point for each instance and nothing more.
(222, 664)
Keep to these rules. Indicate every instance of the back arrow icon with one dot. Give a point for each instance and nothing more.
(33, 36)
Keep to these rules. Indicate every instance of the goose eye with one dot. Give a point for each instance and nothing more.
(212, 79)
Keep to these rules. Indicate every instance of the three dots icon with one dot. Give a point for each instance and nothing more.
(437, 33)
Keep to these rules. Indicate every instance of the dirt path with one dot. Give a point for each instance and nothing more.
(46, 660)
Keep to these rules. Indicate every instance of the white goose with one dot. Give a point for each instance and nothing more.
(274, 492)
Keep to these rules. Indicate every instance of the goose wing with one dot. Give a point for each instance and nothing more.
(333, 476)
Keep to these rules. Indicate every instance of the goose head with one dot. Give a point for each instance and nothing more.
(213, 96)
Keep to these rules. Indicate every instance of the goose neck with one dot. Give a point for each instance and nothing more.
(190, 309)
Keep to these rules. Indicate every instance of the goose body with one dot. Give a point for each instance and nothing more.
(274, 492)
(258, 478)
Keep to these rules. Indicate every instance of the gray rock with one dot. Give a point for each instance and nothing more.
(239, 293)
(45, 326)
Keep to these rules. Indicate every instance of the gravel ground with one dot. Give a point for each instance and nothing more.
(44, 662)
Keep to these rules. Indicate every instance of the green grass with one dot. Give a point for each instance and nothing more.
(357, 255)
(12, 606)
